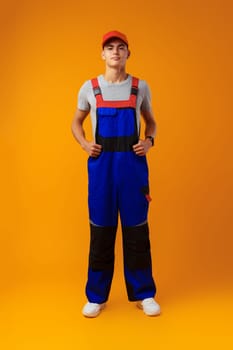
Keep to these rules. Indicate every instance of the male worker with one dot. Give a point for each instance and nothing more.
(118, 177)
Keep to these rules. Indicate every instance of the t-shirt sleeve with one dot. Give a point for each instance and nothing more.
(146, 94)
(83, 103)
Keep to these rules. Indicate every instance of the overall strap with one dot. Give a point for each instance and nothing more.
(134, 88)
(134, 91)
(97, 92)
(131, 102)
(96, 87)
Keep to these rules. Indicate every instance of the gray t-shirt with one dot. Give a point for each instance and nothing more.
(113, 92)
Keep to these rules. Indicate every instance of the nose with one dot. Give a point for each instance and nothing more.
(115, 50)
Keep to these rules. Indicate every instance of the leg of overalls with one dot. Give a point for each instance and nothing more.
(136, 244)
(103, 225)
(101, 263)
(137, 263)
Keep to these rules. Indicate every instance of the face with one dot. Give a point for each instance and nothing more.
(115, 53)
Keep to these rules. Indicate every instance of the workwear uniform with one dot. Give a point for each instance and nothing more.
(118, 184)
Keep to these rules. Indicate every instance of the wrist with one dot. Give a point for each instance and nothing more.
(151, 139)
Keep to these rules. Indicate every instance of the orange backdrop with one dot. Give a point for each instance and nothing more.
(183, 49)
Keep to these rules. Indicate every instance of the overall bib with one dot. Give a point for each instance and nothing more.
(118, 184)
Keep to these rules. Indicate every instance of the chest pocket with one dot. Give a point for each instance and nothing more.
(115, 122)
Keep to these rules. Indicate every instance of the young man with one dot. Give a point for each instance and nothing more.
(118, 177)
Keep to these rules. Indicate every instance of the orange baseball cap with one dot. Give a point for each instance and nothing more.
(114, 34)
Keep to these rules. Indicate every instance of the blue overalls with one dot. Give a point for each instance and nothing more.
(118, 184)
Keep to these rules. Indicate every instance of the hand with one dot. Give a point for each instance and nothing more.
(142, 147)
(93, 149)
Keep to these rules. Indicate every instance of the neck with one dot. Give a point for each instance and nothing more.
(115, 75)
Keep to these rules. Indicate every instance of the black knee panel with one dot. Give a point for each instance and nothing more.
(101, 256)
(136, 247)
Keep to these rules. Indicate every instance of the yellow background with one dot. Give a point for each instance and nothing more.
(183, 49)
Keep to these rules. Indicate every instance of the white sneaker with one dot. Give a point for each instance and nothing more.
(92, 309)
(149, 306)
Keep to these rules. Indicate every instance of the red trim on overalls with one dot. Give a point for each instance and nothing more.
(131, 102)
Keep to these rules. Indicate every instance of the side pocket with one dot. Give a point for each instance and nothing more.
(146, 191)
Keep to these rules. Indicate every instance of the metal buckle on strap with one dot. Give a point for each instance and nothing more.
(97, 91)
(134, 90)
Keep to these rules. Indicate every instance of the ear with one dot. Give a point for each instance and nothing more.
(129, 53)
(103, 55)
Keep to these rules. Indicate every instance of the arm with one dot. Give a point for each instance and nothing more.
(143, 146)
(90, 147)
